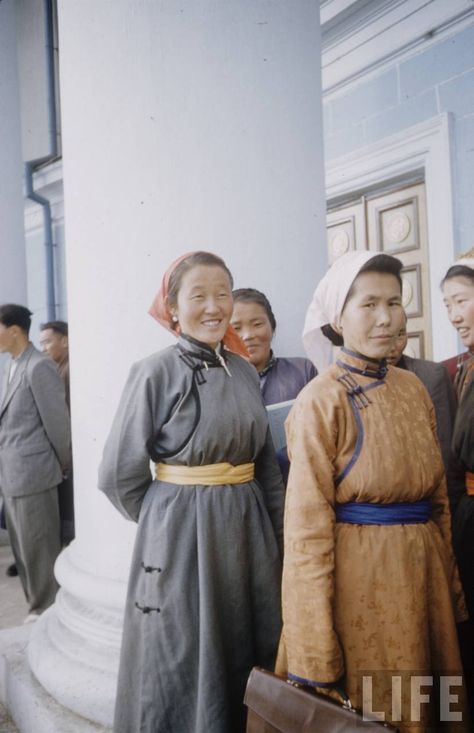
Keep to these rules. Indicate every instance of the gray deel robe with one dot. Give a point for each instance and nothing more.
(203, 603)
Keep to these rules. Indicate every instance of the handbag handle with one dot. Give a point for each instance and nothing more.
(346, 702)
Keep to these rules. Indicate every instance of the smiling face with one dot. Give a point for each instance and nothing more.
(204, 304)
(251, 322)
(373, 315)
(458, 297)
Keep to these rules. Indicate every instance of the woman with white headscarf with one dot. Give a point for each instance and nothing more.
(370, 585)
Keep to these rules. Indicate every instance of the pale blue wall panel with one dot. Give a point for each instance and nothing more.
(464, 173)
(465, 209)
(365, 100)
(343, 142)
(465, 238)
(414, 110)
(438, 63)
(465, 165)
(465, 134)
(457, 95)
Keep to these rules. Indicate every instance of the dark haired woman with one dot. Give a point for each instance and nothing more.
(281, 379)
(203, 599)
(371, 593)
(458, 293)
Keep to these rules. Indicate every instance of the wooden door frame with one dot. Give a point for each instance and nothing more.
(424, 147)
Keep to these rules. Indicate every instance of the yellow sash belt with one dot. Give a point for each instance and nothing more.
(470, 483)
(212, 475)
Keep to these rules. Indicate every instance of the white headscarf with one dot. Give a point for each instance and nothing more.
(328, 302)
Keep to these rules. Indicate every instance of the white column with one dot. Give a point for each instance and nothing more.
(190, 125)
(12, 239)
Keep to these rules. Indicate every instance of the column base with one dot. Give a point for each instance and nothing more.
(74, 647)
(32, 709)
(70, 654)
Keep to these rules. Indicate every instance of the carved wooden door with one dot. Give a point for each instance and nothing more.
(393, 223)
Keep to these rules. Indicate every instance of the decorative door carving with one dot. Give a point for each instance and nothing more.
(346, 229)
(393, 223)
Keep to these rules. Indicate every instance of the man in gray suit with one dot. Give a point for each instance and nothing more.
(34, 454)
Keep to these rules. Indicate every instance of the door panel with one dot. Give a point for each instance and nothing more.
(346, 230)
(396, 225)
(393, 223)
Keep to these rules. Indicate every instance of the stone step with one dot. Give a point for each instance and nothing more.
(27, 703)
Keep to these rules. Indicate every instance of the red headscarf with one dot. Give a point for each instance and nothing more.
(160, 311)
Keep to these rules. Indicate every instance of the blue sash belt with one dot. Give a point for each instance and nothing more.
(404, 512)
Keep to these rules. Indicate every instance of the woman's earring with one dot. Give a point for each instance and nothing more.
(174, 319)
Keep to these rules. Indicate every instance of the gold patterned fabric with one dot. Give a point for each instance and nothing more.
(367, 598)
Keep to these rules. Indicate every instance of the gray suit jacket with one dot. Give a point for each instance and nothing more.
(35, 440)
(436, 380)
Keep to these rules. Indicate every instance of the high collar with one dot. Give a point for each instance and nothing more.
(199, 349)
(199, 356)
(269, 365)
(361, 364)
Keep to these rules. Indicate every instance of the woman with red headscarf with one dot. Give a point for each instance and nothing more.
(203, 603)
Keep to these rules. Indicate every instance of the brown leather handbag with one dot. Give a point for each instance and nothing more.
(277, 706)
